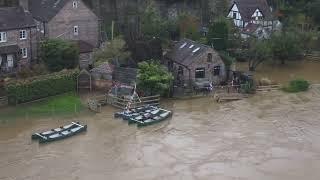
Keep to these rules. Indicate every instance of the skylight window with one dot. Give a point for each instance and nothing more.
(197, 49)
(191, 46)
(183, 45)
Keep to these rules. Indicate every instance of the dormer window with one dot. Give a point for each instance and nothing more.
(76, 30)
(75, 4)
(234, 15)
(23, 34)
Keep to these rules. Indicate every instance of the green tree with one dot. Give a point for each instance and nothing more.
(286, 46)
(189, 27)
(59, 54)
(313, 10)
(258, 52)
(153, 78)
(218, 34)
(113, 50)
(152, 25)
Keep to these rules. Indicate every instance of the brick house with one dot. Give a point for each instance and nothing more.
(192, 62)
(17, 39)
(69, 20)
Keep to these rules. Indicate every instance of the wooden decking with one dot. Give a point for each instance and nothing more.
(268, 88)
(95, 103)
(220, 97)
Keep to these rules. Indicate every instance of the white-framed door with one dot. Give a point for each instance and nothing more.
(9, 60)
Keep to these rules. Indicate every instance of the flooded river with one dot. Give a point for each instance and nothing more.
(270, 136)
(308, 70)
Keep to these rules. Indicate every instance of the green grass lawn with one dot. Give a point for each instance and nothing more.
(66, 104)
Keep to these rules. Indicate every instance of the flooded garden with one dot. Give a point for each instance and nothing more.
(272, 135)
(305, 69)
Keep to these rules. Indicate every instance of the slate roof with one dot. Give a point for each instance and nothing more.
(125, 75)
(104, 68)
(250, 28)
(248, 7)
(15, 18)
(187, 51)
(84, 47)
(45, 10)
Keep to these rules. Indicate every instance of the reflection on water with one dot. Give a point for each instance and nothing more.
(309, 70)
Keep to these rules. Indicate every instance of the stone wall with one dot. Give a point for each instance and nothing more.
(62, 25)
(13, 38)
(202, 62)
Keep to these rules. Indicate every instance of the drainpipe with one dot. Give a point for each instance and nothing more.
(31, 49)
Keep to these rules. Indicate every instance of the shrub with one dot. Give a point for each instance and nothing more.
(58, 54)
(41, 86)
(153, 78)
(297, 85)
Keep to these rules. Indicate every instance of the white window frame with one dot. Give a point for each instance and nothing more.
(24, 52)
(23, 34)
(76, 30)
(3, 37)
(75, 4)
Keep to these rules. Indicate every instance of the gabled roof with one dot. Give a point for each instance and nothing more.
(250, 28)
(45, 10)
(248, 7)
(83, 46)
(125, 75)
(15, 18)
(187, 51)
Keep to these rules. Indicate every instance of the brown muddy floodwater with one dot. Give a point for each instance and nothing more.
(307, 69)
(271, 136)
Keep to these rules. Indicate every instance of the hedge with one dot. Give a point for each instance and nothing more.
(41, 86)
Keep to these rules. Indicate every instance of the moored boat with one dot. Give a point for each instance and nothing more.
(164, 115)
(53, 131)
(125, 115)
(64, 133)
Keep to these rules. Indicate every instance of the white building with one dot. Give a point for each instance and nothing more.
(253, 13)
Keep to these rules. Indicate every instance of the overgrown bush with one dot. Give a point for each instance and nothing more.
(41, 86)
(153, 78)
(59, 54)
(297, 85)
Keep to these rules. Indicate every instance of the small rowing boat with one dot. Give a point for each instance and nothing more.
(162, 116)
(60, 133)
(125, 115)
(53, 131)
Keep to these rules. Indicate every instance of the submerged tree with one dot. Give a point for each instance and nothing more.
(258, 52)
(286, 46)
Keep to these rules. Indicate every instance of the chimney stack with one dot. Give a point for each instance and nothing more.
(24, 4)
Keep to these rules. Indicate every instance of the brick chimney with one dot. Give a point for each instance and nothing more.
(24, 4)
